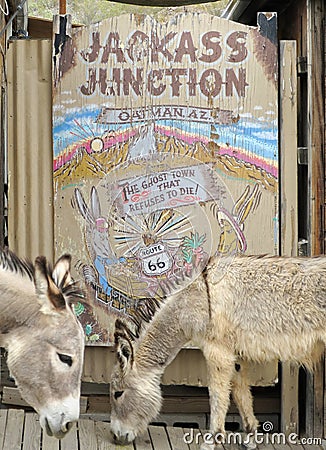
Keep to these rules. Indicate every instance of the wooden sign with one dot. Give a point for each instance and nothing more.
(165, 152)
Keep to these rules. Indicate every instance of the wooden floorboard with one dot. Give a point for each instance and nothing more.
(3, 422)
(176, 438)
(49, 443)
(70, 442)
(87, 437)
(159, 438)
(14, 430)
(193, 438)
(20, 430)
(143, 442)
(32, 432)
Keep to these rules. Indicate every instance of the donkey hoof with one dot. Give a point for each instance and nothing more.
(250, 445)
(207, 446)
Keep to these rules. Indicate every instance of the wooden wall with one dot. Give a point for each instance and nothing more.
(304, 21)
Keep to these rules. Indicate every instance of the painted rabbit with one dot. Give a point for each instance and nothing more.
(232, 239)
(97, 228)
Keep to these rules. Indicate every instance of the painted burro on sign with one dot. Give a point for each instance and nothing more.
(165, 152)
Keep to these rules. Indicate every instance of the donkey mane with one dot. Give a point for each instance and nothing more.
(147, 307)
(10, 261)
(142, 314)
(25, 268)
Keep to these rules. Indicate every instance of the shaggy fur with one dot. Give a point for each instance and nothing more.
(43, 338)
(258, 308)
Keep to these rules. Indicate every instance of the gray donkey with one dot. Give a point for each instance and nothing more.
(43, 338)
(258, 308)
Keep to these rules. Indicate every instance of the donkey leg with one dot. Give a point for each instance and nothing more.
(242, 397)
(220, 370)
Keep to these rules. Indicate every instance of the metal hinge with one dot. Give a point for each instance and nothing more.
(303, 156)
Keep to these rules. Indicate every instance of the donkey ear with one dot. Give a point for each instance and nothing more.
(41, 279)
(123, 345)
(61, 272)
(46, 290)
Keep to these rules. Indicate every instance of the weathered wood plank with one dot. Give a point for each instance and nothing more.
(289, 405)
(324, 434)
(163, 3)
(314, 401)
(96, 436)
(12, 396)
(87, 436)
(209, 439)
(3, 422)
(14, 429)
(236, 441)
(289, 210)
(288, 149)
(143, 442)
(103, 437)
(176, 438)
(49, 442)
(284, 446)
(32, 432)
(292, 446)
(193, 437)
(159, 438)
(70, 441)
(316, 120)
(265, 447)
(312, 447)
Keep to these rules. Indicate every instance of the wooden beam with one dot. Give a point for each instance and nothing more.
(12, 396)
(316, 123)
(316, 183)
(62, 7)
(164, 2)
(288, 149)
(289, 211)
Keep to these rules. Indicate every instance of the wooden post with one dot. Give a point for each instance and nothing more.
(288, 149)
(316, 123)
(3, 133)
(289, 210)
(316, 183)
(62, 7)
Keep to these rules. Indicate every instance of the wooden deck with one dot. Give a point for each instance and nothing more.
(20, 430)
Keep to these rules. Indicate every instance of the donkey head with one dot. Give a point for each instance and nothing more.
(135, 393)
(45, 351)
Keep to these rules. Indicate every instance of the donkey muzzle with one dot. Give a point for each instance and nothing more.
(122, 440)
(57, 418)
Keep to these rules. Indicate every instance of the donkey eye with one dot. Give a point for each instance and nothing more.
(117, 394)
(66, 359)
(126, 352)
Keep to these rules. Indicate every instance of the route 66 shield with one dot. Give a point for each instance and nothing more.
(155, 260)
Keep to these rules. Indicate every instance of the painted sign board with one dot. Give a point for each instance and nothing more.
(165, 152)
